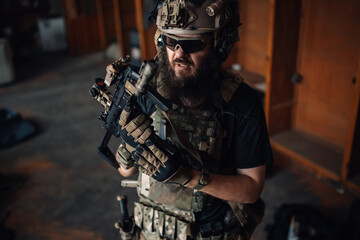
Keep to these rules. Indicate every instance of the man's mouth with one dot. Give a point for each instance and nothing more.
(182, 63)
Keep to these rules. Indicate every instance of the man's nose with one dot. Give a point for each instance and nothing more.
(179, 52)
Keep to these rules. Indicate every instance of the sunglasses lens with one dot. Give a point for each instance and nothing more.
(170, 43)
(188, 46)
(191, 46)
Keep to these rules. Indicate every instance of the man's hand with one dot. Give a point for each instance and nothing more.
(149, 158)
(139, 127)
(155, 163)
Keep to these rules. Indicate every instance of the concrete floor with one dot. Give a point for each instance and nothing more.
(55, 186)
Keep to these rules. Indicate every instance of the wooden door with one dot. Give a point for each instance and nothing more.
(328, 60)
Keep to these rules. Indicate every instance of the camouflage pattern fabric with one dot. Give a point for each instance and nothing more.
(123, 157)
(159, 222)
(138, 215)
(178, 200)
(170, 226)
(148, 219)
(156, 224)
(182, 230)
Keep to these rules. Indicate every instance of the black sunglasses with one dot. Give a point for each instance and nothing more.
(187, 44)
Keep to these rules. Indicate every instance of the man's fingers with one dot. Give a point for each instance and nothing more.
(139, 127)
(158, 153)
(143, 170)
(136, 133)
(143, 163)
(124, 117)
(135, 123)
(144, 136)
(149, 156)
(146, 159)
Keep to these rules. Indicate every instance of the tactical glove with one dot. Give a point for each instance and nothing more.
(152, 161)
(123, 157)
(139, 127)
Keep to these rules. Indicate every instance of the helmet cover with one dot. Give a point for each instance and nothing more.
(192, 17)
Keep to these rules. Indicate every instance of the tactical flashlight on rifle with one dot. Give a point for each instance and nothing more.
(129, 86)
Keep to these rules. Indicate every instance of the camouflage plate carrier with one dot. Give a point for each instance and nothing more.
(167, 211)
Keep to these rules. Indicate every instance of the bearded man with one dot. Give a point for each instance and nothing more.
(211, 188)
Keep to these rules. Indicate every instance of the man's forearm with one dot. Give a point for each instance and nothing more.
(239, 188)
(243, 188)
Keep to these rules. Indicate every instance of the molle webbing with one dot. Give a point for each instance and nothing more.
(196, 125)
(202, 132)
(183, 140)
(157, 223)
(191, 129)
(173, 198)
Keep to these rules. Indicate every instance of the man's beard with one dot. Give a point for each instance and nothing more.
(193, 89)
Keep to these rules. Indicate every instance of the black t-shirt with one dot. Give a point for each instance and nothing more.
(247, 142)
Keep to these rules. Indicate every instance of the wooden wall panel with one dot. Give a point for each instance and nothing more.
(128, 18)
(283, 43)
(101, 23)
(351, 163)
(352, 160)
(83, 35)
(90, 25)
(252, 48)
(328, 62)
(71, 9)
(109, 20)
(149, 37)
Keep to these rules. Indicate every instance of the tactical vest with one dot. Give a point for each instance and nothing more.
(166, 209)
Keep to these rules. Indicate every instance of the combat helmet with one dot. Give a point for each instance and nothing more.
(193, 17)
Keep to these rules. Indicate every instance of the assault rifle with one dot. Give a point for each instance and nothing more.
(129, 85)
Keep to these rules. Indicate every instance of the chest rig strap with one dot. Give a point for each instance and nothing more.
(183, 139)
(229, 84)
